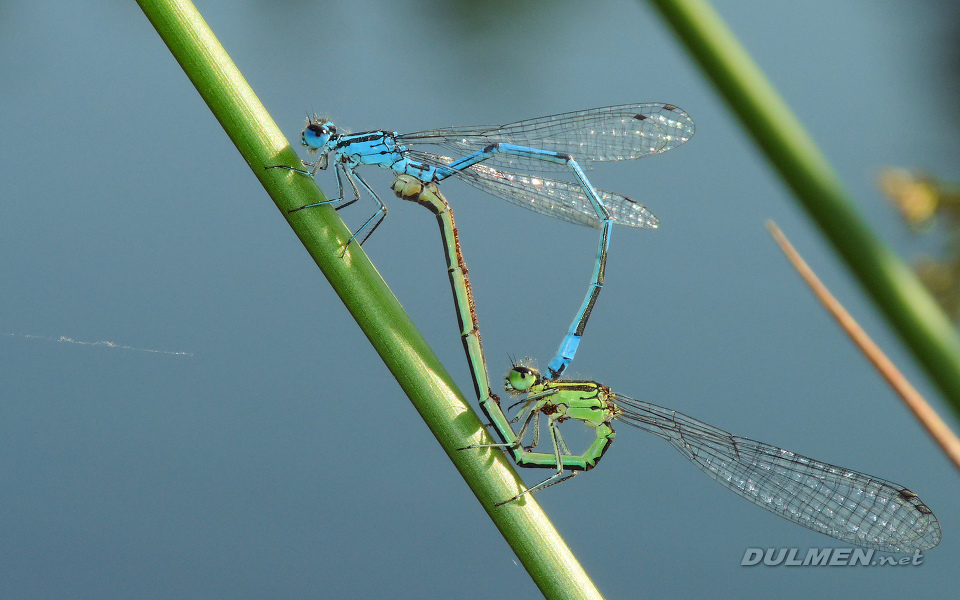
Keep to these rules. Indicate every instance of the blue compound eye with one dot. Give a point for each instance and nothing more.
(316, 135)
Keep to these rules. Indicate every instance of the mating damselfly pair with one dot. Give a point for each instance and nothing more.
(847, 505)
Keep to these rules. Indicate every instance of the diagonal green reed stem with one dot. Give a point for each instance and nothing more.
(901, 297)
(490, 476)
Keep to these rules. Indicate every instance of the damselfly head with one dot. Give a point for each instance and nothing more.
(317, 135)
(521, 377)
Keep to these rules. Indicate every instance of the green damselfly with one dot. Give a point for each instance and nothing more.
(847, 505)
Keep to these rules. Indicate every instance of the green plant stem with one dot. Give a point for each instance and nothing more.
(907, 305)
(526, 528)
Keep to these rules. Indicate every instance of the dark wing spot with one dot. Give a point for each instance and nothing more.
(907, 494)
(670, 107)
(640, 117)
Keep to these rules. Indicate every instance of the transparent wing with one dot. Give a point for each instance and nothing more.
(558, 199)
(599, 134)
(844, 504)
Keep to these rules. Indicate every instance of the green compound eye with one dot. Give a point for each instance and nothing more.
(521, 378)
